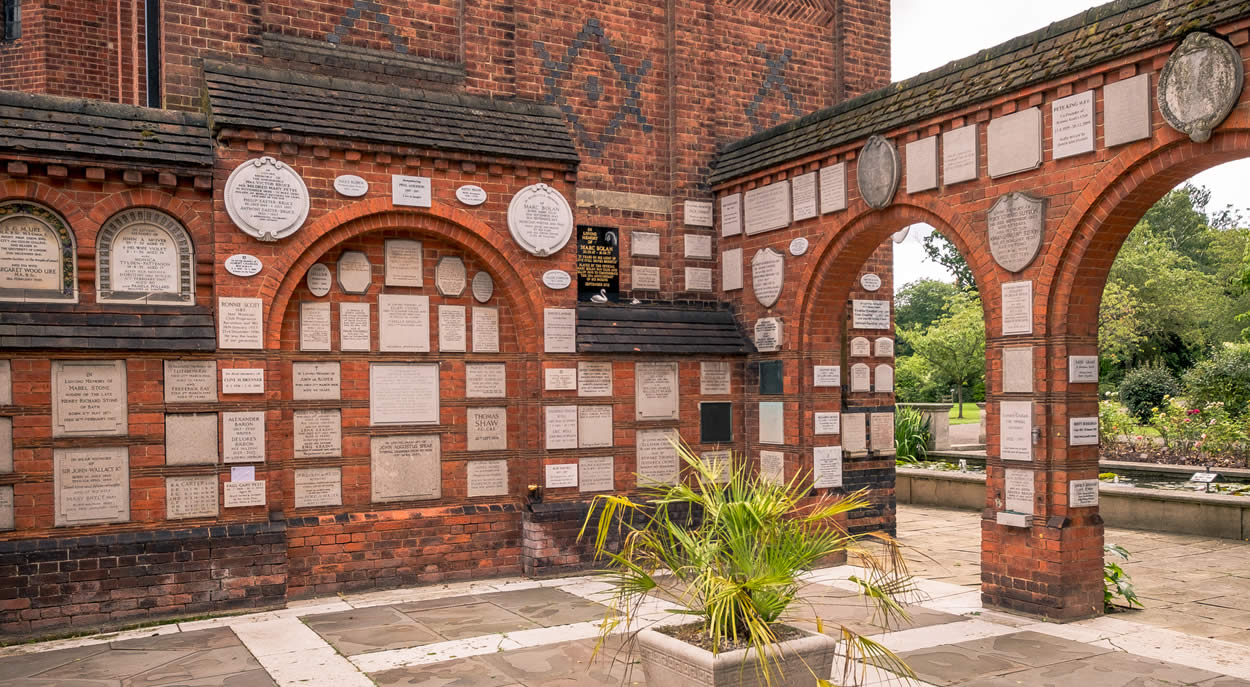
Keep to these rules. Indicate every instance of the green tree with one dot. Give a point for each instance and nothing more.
(919, 304)
(954, 346)
(1119, 324)
(943, 252)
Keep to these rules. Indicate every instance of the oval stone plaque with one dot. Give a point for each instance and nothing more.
(540, 220)
(243, 265)
(351, 185)
(1199, 85)
(1014, 224)
(470, 194)
(767, 276)
(870, 282)
(483, 287)
(557, 279)
(450, 277)
(266, 199)
(798, 246)
(878, 172)
(318, 279)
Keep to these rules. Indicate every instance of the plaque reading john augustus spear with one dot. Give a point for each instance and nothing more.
(598, 264)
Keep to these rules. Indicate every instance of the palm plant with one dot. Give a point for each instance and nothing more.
(733, 556)
(911, 436)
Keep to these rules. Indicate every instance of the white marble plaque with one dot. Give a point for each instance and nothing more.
(243, 380)
(870, 282)
(32, 260)
(731, 269)
(405, 467)
(191, 497)
(596, 474)
(594, 379)
(559, 330)
(594, 426)
(922, 165)
(883, 347)
(351, 185)
(773, 467)
(644, 243)
(560, 379)
(1015, 430)
(1083, 431)
(697, 245)
(855, 432)
(698, 279)
(714, 378)
(244, 494)
(1082, 369)
(318, 280)
(885, 379)
(186, 381)
(89, 398)
(239, 323)
(1018, 490)
(881, 431)
(827, 423)
(540, 220)
(1015, 225)
(487, 429)
(860, 347)
(772, 415)
(833, 188)
(471, 194)
(243, 265)
(656, 458)
(190, 439)
(450, 276)
(960, 154)
(144, 256)
(698, 213)
(768, 334)
(6, 444)
(730, 215)
(827, 467)
(483, 287)
(1126, 110)
(403, 323)
(826, 375)
(485, 380)
(355, 273)
(266, 199)
(314, 326)
(645, 278)
(767, 276)
(1072, 125)
(1017, 307)
(355, 330)
(318, 433)
(403, 259)
(403, 393)
(861, 378)
(655, 391)
(799, 246)
(6, 382)
(410, 191)
(804, 201)
(488, 478)
(561, 424)
(561, 476)
(243, 437)
(1014, 143)
(315, 381)
(451, 329)
(485, 330)
(91, 485)
(1082, 493)
(557, 279)
(870, 314)
(317, 487)
(1018, 370)
(766, 208)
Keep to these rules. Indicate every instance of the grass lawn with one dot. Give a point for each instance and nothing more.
(972, 414)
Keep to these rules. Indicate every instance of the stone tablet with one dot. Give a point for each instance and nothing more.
(1017, 307)
(187, 381)
(799, 246)
(885, 379)
(483, 287)
(722, 460)
(1014, 143)
(402, 260)
(870, 314)
(698, 279)
(698, 246)
(450, 276)
(540, 220)
(355, 273)
(6, 382)
(452, 333)
(827, 423)
(559, 330)
(351, 185)
(403, 393)
(883, 347)
(1199, 85)
(960, 154)
(766, 208)
(355, 330)
(773, 467)
(833, 188)
(314, 326)
(698, 213)
(487, 429)
(561, 427)
(596, 474)
(243, 380)
(243, 437)
(191, 497)
(488, 478)
(405, 468)
(1018, 491)
(656, 458)
(471, 194)
(594, 379)
(89, 398)
(561, 476)
(144, 256)
(767, 276)
(730, 215)
(804, 201)
(870, 282)
(1083, 431)
(772, 417)
(1015, 225)
(1083, 493)
(854, 431)
(768, 334)
(827, 467)
(411, 191)
(860, 347)
(1072, 125)
(1082, 369)
(877, 171)
(318, 280)
(644, 244)
(922, 165)
(191, 439)
(243, 265)
(1126, 110)
(485, 380)
(861, 378)
(6, 508)
(730, 269)
(37, 256)
(560, 379)
(826, 375)
(594, 426)
(403, 323)
(485, 330)
(91, 485)
(6, 444)
(655, 391)
(1018, 370)
(240, 323)
(714, 378)
(318, 487)
(266, 199)
(244, 494)
(646, 278)
(881, 430)
(318, 433)
(1015, 430)
(315, 381)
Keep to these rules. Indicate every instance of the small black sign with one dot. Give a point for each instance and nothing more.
(772, 377)
(598, 264)
(715, 423)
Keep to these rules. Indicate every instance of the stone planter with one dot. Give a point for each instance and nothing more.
(670, 662)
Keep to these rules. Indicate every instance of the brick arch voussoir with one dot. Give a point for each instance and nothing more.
(121, 201)
(63, 204)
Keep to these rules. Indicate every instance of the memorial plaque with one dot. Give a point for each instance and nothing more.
(315, 381)
(190, 439)
(1200, 84)
(402, 260)
(483, 287)
(405, 468)
(243, 380)
(559, 330)
(827, 423)
(698, 279)
(1082, 369)
(318, 433)
(403, 393)
(450, 277)
(714, 378)
(1015, 430)
(6, 508)
(772, 416)
(411, 191)
(1018, 490)
(833, 188)
(351, 185)
(596, 474)
(883, 347)
(767, 276)
(89, 398)
(1017, 307)
(485, 380)
(799, 246)
(266, 199)
(403, 323)
(698, 245)
(318, 487)
(885, 379)
(244, 494)
(557, 279)
(243, 265)
(855, 432)
(1126, 110)
(1018, 370)
(730, 269)
(656, 458)
(37, 260)
(243, 437)
(861, 378)
(922, 165)
(451, 329)
(599, 264)
(827, 467)
(318, 280)
(471, 194)
(826, 375)
(186, 381)
(6, 383)
(772, 377)
(540, 220)
(488, 478)
(877, 170)
(644, 244)
(355, 273)
(715, 422)
(561, 476)
(773, 467)
(766, 208)
(561, 427)
(355, 330)
(191, 497)
(1083, 431)
(730, 215)
(698, 213)
(91, 485)
(594, 426)
(860, 347)
(1082, 493)
(870, 282)
(487, 429)
(870, 314)
(594, 379)
(804, 201)
(722, 464)
(1072, 125)
(314, 326)
(655, 391)
(1015, 226)
(240, 323)
(485, 330)
(768, 334)
(560, 379)
(960, 154)
(881, 428)
(6, 444)
(645, 278)
(144, 256)
(1014, 143)
(242, 473)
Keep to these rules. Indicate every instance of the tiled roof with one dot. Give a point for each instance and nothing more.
(252, 97)
(88, 130)
(658, 329)
(1092, 37)
(108, 331)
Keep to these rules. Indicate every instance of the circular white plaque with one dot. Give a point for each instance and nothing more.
(266, 199)
(318, 279)
(351, 185)
(470, 194)
(243, 265)
(798, 246)
(540, 220)
(870, 282)
(483, 287)
(557, 279)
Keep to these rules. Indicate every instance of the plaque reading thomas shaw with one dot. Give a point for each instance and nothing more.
(655, 391)
(403, 393)
(88, 398)
(599, 264)
(266, 199)
(405, 467)
(91, 485)
(487, 429)
(540, 220)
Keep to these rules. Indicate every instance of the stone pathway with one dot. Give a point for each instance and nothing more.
(513, 632)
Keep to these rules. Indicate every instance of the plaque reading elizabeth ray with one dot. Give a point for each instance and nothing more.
(402, 260)
(355, 331)
(405, 467)
(714, 378)
(1015, 430)
(487, 429)
(190, 381)
(314, 326)
(451, 329)
(559, 330)
(403, 393)
(655, 391)
(88, 398)
(91, 485)
(599, 264)
(191, 497)
(240, 324)
(318, 433)
(827, 467)
(485, 330)
(485, 380)
(403, 323)
(315, 381)
(315, 487)
(594, 379)
(266, 199)
(656, 458)
(1017, 307)
(488, 478)
(540, 220)
(243, 437)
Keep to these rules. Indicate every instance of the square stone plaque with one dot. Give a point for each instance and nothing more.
(698, 246)
(714, 378)
(766, 208)
(1018, 490)
(1083, 431)
(6, 508)
(403, 323)
(922, 169)
(488, 478)
(318, 433)
(773, 467)
(1017, 307)
(315, 381)
(772, 416)
(191, 497)
(243, 437)
(1082, 369)
(827, 423)
(560, 379)
(410, 191)
(318, 487)
(594, 379)
(594, 426)
(89, 398)
(452, 329)
(405, 468)
(596, 474)
(1018, 370)
(190, 381)
(91, 485)
(403, 260)
(827, 467)
(240, 323)
(243, 380)
(1015, 430)
(403, 393)
(561, 427)
(960, 154)
(826, 375)
(355, 330)
(1072, 125)
(561, 476)
(1126, 110)
(854, 431)
(731, 269)
(1082, 493)
(314, 326)
(1014, 143)
(698, 279)
(244, 494)
(698, 213)
(644, 244)
(804, 200)
(645, 278)
(559, 330)
(191, 439)
(730, 215)
(655, 391)
(487, 429)
(881, 431)
(656, 459)
(870, 314)
(485, 380)
(485, 330)
(833, 188)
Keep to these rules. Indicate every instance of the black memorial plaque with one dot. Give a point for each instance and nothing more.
(598, 264)
(771, 377)
(715, 422)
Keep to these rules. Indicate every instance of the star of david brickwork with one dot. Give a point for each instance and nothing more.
(368, 9)
(775, 79)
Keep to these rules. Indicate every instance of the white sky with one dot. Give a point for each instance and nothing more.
(930, 33)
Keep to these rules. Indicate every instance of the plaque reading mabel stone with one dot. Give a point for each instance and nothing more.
(767, 276)
(91, 485)
(190, 381)
(540, 220)
(266, 199)
(596, 474)
(488, 478)
(243, 437)
(1200, 84)
(657, 461)
(655, 391)
(239, 323)
(487, 429)
(405, 468)
(1015, 225)
(318, 433)
(191, 497)
(403, 393)
(317, 487)
(244, 494)
(88, 398)
(315, 381)
(878, 172)
(402, 260)
(191, 439)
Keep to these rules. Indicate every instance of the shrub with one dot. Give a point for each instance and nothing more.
(1144, 390)
(911, 436)
(1225, 378)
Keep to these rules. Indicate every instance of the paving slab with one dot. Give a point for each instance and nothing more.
(461, 672)
(1114, 669)
(1033, 648)
(955, 665)
(547, 606)
(472, 620)
(374, 628)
